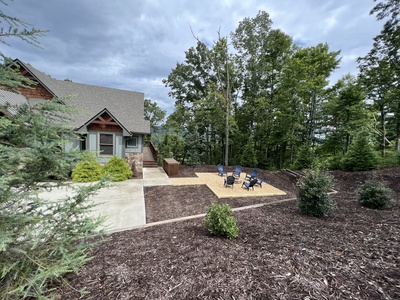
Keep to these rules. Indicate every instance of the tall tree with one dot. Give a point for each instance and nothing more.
(154, 114)
(40, 240)
(380, 68)
(345, 113)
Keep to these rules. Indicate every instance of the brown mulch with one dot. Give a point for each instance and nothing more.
(279, 254)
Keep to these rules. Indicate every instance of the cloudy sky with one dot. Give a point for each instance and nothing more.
(134, 44)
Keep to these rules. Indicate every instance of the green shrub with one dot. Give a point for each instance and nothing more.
(313, 198)
(87, 170)
(304, 158)
(361, 155)
(220, 221)
(249, 158)
(117, 169)
(373, 194)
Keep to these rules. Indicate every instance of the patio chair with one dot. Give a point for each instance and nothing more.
(221, 171)
(259, 182)
(250, 184)
(230, 180)
(252, 175)
(237, 171)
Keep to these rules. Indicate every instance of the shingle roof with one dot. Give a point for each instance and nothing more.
(126, 106)
(12, 99)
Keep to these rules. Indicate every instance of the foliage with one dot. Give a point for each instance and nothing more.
(313, 198)
(304, 158)
(361, 155)
(249, 158)
(117, 169)
(171, 147)
(88, 169)
(373, 194)
(220, 221)
(153, 113)
(40, 240)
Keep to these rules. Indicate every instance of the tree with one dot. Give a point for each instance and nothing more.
(40, 240)
(19, 29)
(201, 86)
(153, 113)
(345, 112)
(380, 69)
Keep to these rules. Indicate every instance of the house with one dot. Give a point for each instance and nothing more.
(112, 120)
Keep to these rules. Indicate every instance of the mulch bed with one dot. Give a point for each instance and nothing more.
(280, 253)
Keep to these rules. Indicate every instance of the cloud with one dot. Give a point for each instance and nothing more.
(135, 44)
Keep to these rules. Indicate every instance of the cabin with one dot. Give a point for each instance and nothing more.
(112, 120)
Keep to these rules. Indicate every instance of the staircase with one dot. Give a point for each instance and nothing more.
(148, 158)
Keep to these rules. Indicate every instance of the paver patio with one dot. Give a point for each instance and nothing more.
(216, 184)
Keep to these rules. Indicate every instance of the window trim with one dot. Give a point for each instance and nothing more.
(99, 144)
(132, 138)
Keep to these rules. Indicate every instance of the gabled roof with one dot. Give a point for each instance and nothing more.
(105, 110)
(126, 106)
(12, 99)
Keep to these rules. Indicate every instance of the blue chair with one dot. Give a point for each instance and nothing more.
(237, 171)
(252, 175)
(259, 182)
(230, 180)
(221, 171)
(250, 184)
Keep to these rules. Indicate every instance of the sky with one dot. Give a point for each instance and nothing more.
(134, 44)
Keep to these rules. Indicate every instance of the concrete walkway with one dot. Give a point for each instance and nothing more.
(122, 203)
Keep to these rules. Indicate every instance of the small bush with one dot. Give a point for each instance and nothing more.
(117, 169)
(304, 158)
(87, 169)
(313, 198)
(361, 155)
(220, 221)
(373, 194)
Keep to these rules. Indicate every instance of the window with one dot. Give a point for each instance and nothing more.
(132, 142)
(106, 144)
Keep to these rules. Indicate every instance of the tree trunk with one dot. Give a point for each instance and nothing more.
(383, 127)
(227, 114)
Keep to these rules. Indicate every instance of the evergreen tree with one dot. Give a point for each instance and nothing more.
(361, 155)
(40, 240)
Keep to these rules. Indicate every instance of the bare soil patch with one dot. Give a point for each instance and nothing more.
(280, 253)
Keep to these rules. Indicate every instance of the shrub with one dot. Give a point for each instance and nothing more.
(361, 155)
(373, 194)
(220, 221)
(313, 198)
(249, 158)
(117, 169)
(304, 158)
(87, 169)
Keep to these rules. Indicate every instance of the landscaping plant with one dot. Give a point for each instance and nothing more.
(40, 240)
(313, 198)
(373, 194)
(117, 169)
(220, 221)
(87, 169)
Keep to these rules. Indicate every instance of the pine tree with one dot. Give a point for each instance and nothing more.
(40, 240)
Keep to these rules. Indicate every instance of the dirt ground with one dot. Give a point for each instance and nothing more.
(279, 254)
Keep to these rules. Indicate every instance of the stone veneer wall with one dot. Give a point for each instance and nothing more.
(135, 162)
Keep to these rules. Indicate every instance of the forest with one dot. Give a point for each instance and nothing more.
(258, 99)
